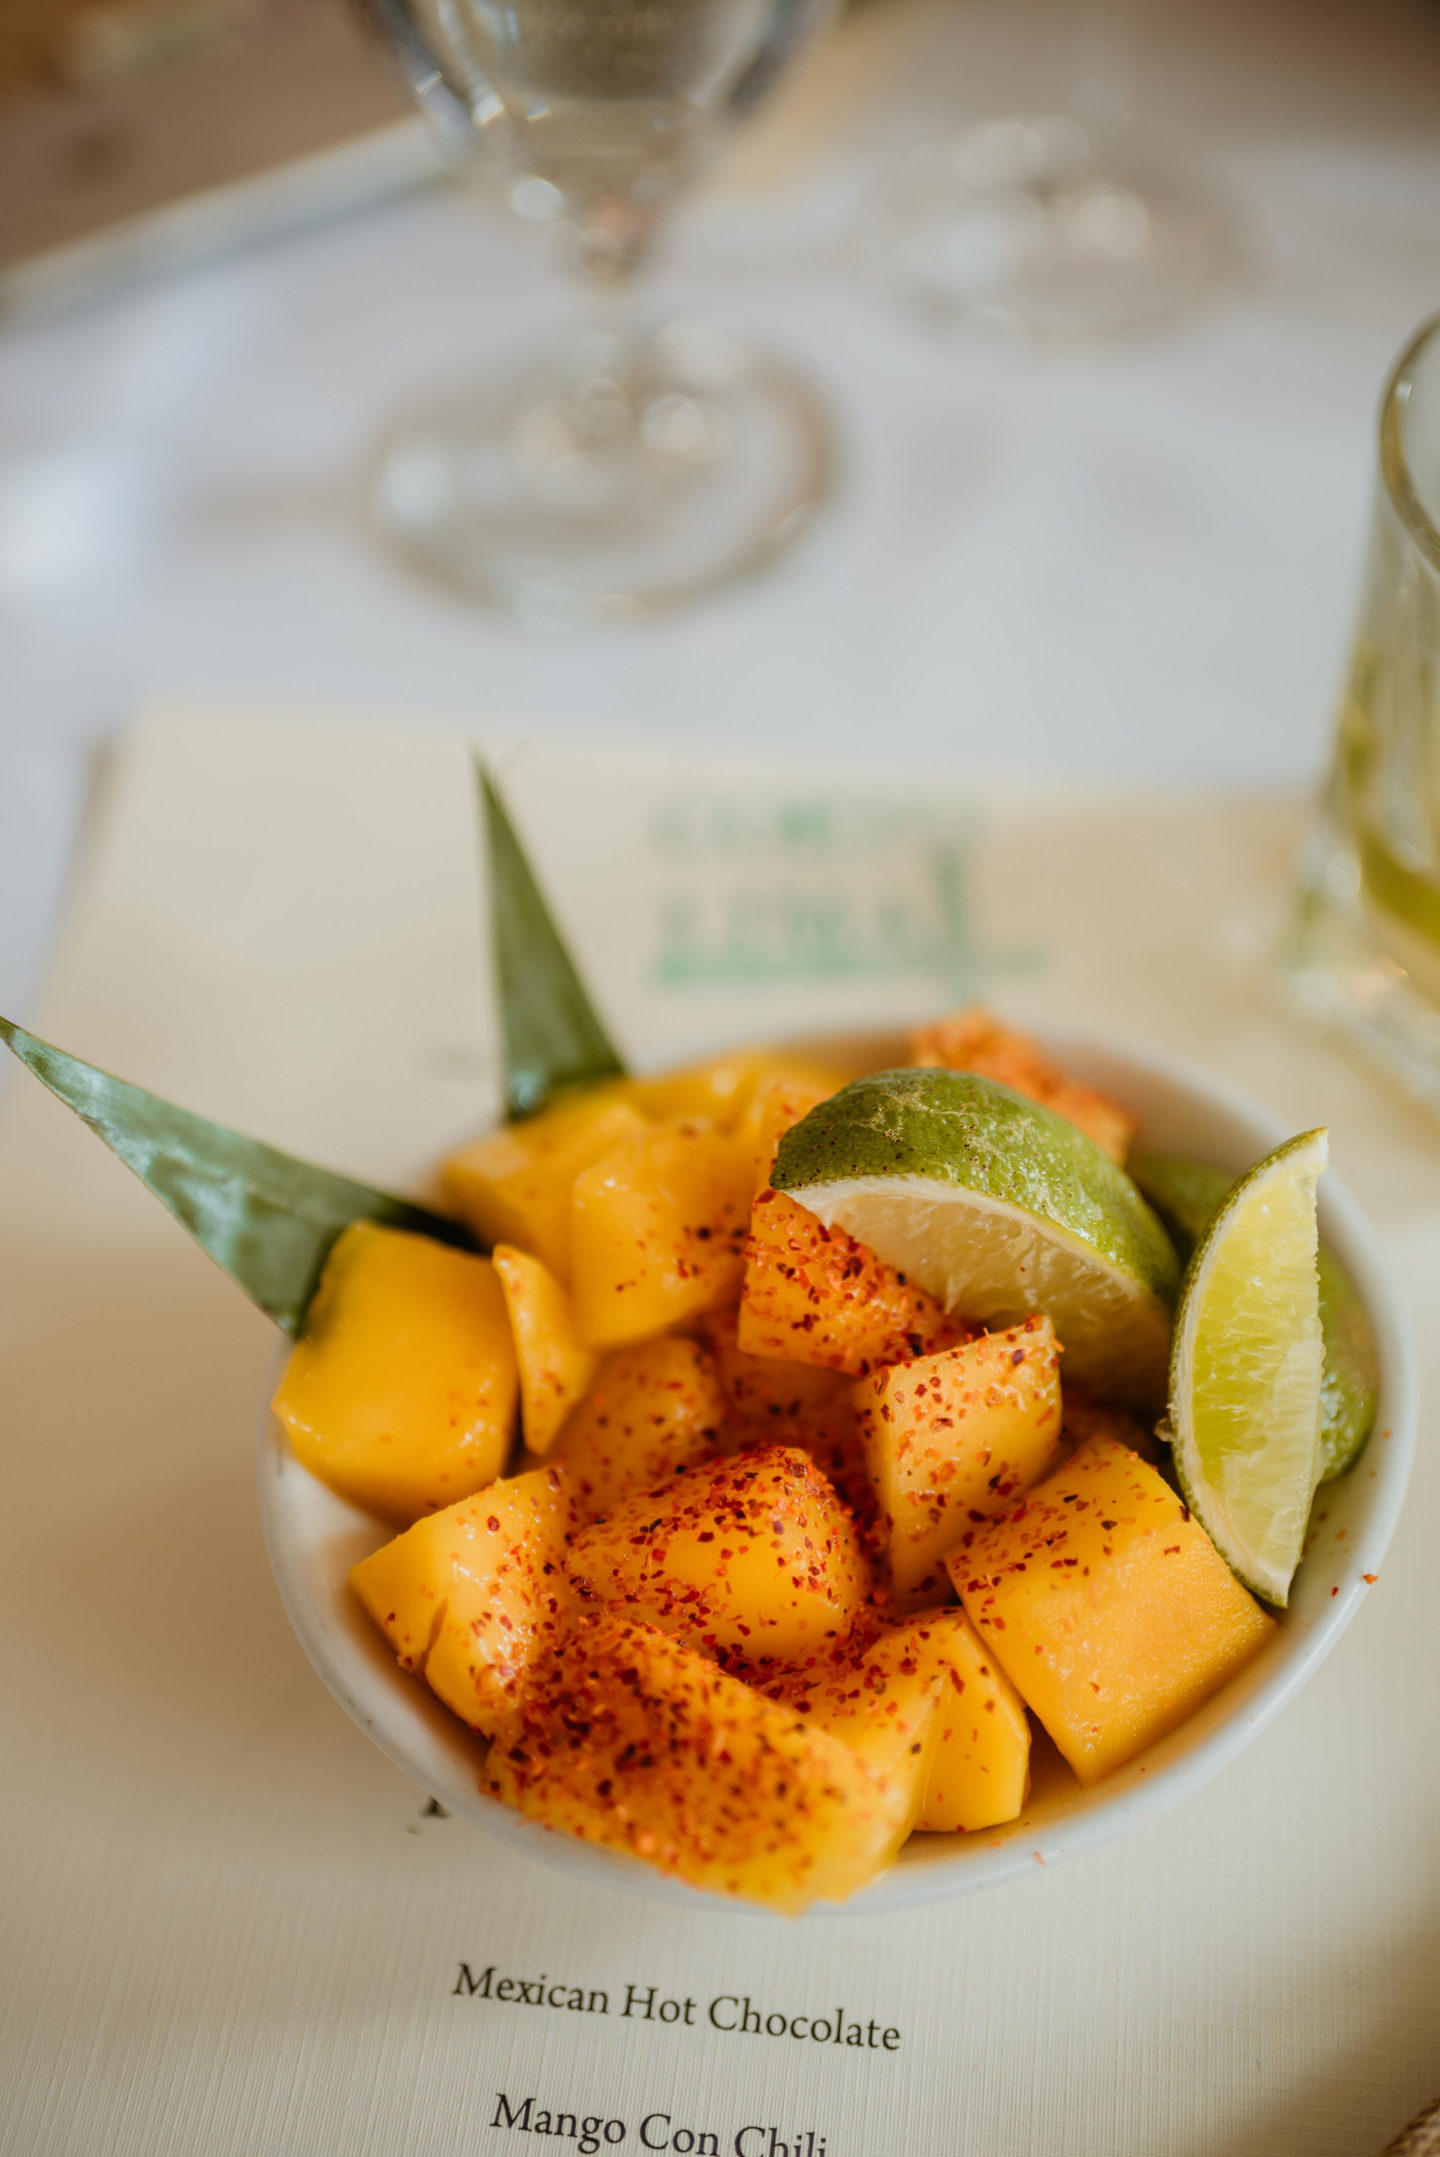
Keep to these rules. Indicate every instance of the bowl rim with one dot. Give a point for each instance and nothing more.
(437, 1753)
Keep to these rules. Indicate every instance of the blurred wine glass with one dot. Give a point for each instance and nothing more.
(620, 470)
(1063, 224)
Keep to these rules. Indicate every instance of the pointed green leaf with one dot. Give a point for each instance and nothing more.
(553, 1037)
(266, 1217)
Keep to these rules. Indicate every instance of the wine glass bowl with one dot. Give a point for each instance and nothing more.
(604, 112)
(625, 469)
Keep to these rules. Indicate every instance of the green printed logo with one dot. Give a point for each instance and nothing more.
(818, 886)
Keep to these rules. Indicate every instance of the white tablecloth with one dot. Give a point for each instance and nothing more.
(1133, 561)
(227, 1926)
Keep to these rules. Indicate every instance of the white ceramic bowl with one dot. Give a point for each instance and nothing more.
(314, 1538)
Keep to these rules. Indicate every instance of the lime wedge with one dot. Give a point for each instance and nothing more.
(1000, 1208)
(1187, 1194)
(1246, 1368)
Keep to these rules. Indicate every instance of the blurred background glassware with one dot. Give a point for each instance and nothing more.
(1365, 948)
(621, 471)
(1063, 225)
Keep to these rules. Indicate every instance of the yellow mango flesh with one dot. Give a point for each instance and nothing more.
(955, 1437)
(473, 1596)
(978, 1771)
(791, 1404)
(555, 1365)
(750, 1558)
(723, 1088)
(814, 1295)
(652, 1409)
(631, 1740)
(657, 1232)
(1108, 1606)
(763, 1391)
(401, 1391)
(778, 1102)
(514, 1185)
(883, 1707)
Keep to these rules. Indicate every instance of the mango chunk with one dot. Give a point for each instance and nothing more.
(763, 1391)
(792, 1404)
(1109, 1608)
(722, 1088)
(751, 1558)
(978, 1773)
(400, 1393)
(652, 1409)
(973, 1040)
(475, 1595)
(813, 1294)
(778, 1102)
(555, 1365)
(657, 1232)
(955, 1437)
(633, 1741)
(514, 1185)
(882, 1705)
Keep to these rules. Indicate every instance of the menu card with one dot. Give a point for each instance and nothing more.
(230, 1925)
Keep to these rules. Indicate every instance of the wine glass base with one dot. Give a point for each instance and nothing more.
(1034, 224)
(611, 478)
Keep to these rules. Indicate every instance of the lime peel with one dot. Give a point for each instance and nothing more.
(1000, 1208)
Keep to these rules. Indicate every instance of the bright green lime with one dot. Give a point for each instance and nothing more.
(1000, 1208)
(1246, 1366)
(1187, 1194)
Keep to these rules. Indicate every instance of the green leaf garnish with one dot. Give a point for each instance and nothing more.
(553, 1037)
(266, 1217)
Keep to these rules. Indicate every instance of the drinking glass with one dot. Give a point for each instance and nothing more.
(620, 470)
(1066, 224)
(1365, 948)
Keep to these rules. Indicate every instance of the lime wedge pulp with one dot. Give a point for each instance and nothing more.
(1246, 1368)
(998, 1207)
(1187, 1194)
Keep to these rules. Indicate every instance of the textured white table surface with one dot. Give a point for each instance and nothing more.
(227, 1928)
(1136, 560)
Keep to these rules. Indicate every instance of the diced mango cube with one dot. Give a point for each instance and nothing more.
(1110, 1609)
(882, 1705)
(754, 1558)
(555, 1365)
(955, 1437)
(633, 1741)
(722, 1088)
(657, 1232)
(813, 1294)
(400, 1393)
(763, 1391)
(652, 1409)
(475, 1595)
(777, 1103)
(979, 1765)
(973, 1040)
(515, 1184)
(791, 1404)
